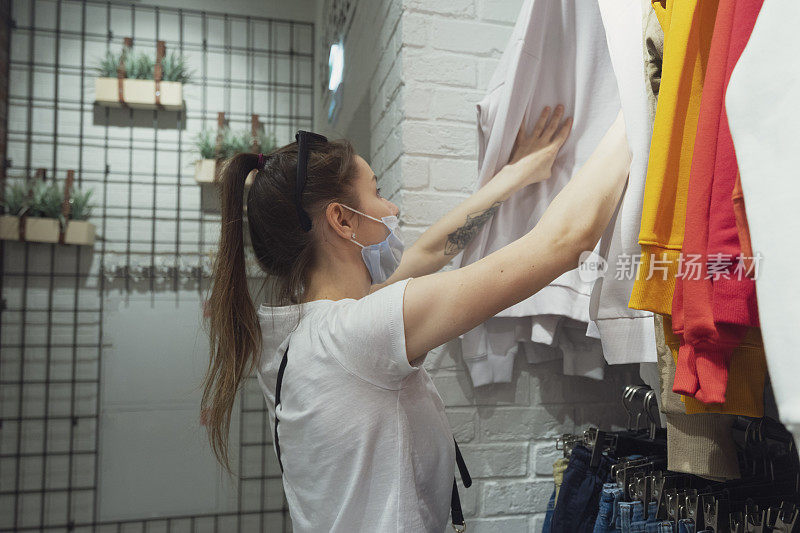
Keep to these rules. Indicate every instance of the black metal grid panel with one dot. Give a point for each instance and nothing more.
(152, 235)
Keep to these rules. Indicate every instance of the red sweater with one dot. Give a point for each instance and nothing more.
(713, 305)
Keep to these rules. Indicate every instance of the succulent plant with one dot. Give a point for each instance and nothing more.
(232, 143)
(266, 142)
(46, 200)
(174, 68)
(80, 208)
(107, 67)
(239, 142)
(206, 143)
(141, 65)
(15, 199)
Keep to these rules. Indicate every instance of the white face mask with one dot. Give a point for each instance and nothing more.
(382, 258)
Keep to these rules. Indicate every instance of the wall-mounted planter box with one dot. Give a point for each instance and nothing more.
(139, 94)
(38, 229)
(79, 232)
(204, 170)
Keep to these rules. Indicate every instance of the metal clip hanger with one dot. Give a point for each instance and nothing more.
(787, 518)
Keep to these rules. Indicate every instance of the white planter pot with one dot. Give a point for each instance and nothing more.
(37, 229)
(79, 232)
(139, 94)
(204, 172)
(205, 169)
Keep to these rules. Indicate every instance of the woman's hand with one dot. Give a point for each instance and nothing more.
(532, 155)
(531, 162)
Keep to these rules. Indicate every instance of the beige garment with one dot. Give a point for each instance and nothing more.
(700, 444)
(653, 38)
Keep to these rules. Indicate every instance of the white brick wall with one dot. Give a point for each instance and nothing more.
(424, 149)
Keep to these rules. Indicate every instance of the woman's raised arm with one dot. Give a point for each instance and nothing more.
(441, 306)
(531, 161)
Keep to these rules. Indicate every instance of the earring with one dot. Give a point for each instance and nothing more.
(353, 235)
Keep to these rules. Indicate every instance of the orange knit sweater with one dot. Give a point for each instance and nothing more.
(688, 26)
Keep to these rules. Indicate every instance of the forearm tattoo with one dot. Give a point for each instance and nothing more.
(459, 239)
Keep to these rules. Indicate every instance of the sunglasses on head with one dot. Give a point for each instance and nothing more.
(304, 138)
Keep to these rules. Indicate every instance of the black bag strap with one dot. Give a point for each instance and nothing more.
(456, 514)
(281, 370)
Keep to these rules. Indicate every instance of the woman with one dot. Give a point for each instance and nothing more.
(363, 440)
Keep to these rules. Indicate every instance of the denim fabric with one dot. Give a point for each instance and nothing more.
(629, 512)
(548, 516)
(685, 525)
(662, 526)
(638, 522)
(631, 517)
(579, 497)
(640, 525)
(558, 475)
(607, 515)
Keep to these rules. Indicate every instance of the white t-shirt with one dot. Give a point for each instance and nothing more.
(365, 443)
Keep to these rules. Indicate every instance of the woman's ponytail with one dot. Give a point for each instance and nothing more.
(282, 249)
(234, 331)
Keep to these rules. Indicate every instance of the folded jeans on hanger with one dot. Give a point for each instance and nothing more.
(579, 497)
(631, 516)
(607, 515)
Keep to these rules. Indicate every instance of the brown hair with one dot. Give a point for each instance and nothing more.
(283, 250)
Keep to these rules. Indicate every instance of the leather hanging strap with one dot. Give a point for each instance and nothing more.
(255, 146)
(41, 175)
(220, 128)
(65, 207)
(121, 72)
(158, 73)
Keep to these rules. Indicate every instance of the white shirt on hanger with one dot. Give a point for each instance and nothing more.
(557, 54)
(628, 335)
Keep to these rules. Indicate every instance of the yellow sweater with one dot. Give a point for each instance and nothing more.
(688, 26)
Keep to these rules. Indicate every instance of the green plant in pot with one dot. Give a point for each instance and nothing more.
(141, 65)
(46, 200)
(15, 201)
(33, 212)
(138, 87)
(174, 68)
(232, 143)
(266, 142)
(80, 208)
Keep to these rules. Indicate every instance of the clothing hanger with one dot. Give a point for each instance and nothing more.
(566, 442)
